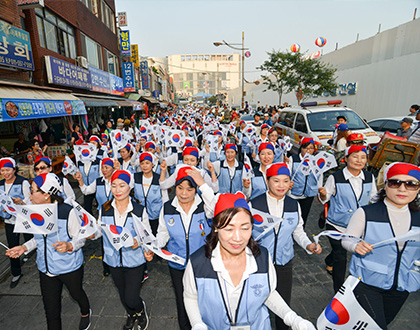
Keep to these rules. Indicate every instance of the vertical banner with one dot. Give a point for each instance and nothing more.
(144, 70)
(128, 76)
(135, 55)
(125, 43)
(122, 18)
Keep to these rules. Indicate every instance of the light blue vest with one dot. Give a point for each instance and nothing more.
(279, 245)
(258, 184)
(101, 196)
(228, 184)
(344, 203)
(16, 190)
(153, 200)
(130, 168)
(93, 173)
(244, 144)
(47, 258)
(213, 156)
(185, 241)
(386, 267)
(126, 256)
(303, 185)
(251, 309)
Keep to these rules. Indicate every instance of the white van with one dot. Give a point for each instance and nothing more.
(318, 122)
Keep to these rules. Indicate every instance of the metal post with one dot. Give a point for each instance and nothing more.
(217, 86)
(243, 69)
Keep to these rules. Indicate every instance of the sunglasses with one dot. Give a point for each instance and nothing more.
(40, 168)
(409, 185)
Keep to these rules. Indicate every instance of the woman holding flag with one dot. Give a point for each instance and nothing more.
(305, 187)
(183, 226)
(389, 271)
(259, 182)
(18, 188)
(230, 281)
(127, 160)
(347, 190)
(43, 165)
(59, 255)
(216, 155)
(279, 240)
(126, 263)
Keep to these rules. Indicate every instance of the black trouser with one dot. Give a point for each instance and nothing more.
(128, 282)
(104, 264)
(381, 305)
(284, 288)
(51, 289)
(154, 225)
(88, 202)
(338, 260)
(305, 207)
(176, 276)
(13, 239)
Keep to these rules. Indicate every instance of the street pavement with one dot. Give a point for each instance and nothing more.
(21, 308)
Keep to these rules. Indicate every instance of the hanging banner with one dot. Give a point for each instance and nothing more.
(101, 81)
(122, 18)
(15, 47)
(18, 109)
(135, 55)
(144, 71)
(125, 43)
(128, 74)
(64, 73)
(117, 85)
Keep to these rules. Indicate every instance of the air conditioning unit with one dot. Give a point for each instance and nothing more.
(82, 61)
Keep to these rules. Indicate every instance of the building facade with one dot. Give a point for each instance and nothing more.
(204, 73)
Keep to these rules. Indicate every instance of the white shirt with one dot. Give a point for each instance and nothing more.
(68, 190)
(400, 219)
(356, 183)
(147, 182)
(91, 189)
(207, 194)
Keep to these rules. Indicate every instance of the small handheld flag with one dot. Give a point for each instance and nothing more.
(323, 162)
(88, 225)
(264, 221)
(36, 219)
(85, 152)
(334, 234)
(69, 167)
(118, 236)
(411, 235)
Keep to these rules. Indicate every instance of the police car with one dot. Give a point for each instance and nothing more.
(317, 120)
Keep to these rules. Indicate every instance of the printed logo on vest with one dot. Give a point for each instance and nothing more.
(171, 221)
(290, 220)
(257, 289)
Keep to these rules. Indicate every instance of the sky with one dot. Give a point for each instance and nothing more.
(169, 27)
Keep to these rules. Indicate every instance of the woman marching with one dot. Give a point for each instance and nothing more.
(279, 241)
(347, 190)
(59, 255)
(43, 165)
(305, 188)
(388, 272)
(18, 188)
(230, 282)
(183, 226)
(127, 264)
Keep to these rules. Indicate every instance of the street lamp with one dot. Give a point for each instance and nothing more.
(242, 48)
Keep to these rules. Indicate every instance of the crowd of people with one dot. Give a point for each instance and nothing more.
(198, 199)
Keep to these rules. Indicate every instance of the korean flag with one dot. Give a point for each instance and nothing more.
(175, 138)
(36, 219)
(119, 139)
(69, 167)
(88, 225)
(85, 152)
(323, 162)
(118, 236)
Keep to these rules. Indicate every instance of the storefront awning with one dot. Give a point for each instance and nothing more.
(150, 99)
(134, 96)
(97, 102)
(19, 103)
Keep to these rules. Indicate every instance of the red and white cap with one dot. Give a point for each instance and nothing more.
(402, 169)
(228, 201)
(149, 145)
(354, 148)
(193, 151)
(7, 162)
(146, 156)
(94, 138)
(231, 146)
(49, 183)
(266, 145)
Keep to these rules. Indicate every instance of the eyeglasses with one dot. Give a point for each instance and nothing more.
(40, 168)
(409, 185)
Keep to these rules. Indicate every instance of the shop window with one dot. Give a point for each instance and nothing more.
(182, 58)
(112, 63)
(194, 57)
(92, 51)
(188, 57)
(107, 16)
(206, 57)
(200, 57)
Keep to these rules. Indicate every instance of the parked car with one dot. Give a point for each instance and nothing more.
(318, 122)
(389, 124)
(247, 118)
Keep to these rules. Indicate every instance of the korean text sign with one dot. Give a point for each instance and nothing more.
(125, 43)
(128, 74)
(15, 47)
(64, 73)
(144, 71)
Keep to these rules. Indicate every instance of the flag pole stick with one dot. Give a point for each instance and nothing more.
(5, 246)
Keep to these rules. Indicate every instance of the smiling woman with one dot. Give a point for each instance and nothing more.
(230, 282)
(388, 273)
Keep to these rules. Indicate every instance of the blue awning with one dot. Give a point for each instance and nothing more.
(29, 103)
